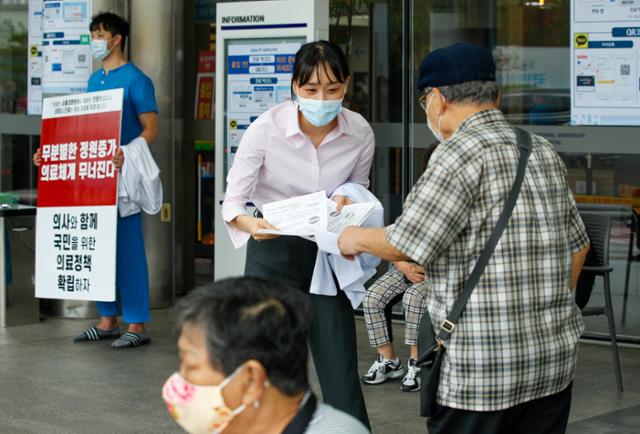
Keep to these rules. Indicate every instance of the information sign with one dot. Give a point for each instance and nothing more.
(34, 56)
(605, 59)
(66, 46)
(258, 77)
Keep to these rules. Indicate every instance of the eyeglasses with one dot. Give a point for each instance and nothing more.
(423, 100)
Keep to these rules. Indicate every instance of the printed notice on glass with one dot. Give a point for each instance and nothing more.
(66, 49)
(605, 77)
(77, 197)
(34, 56)
(258, 77)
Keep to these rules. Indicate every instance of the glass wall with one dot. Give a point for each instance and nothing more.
(197, 148)
(371, 34)
(386, 40)
(13, 56)
(17, 173)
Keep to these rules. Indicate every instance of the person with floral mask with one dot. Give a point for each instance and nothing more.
(139, 128)
(243, 363)
(309, 144)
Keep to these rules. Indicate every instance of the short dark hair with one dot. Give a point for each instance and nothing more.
(112, 23)
(253, 319)
(319, 54)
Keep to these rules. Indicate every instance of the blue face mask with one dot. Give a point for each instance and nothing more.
(320, 111)
(99, 49)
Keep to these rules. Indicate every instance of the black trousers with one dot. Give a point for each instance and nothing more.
(548, 415)
(333, 331)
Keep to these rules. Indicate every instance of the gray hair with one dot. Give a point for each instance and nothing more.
(249, 318)
(471, 92)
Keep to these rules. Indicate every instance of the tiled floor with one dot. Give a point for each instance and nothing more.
(49, 385)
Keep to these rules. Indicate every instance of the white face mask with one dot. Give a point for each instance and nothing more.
(320, 112)
(199, 409)
(99, 49)
(437, 134)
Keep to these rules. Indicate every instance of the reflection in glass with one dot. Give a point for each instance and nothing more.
(13, 57)
(18, 175)
(533, 73)
(370, 33)
(603, 174)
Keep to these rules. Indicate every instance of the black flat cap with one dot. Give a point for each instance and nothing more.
(455, 64)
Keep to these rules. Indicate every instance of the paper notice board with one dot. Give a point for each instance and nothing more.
(66, 46)
(77, 197)
(258, 76)
(34, 56)
(605, 70)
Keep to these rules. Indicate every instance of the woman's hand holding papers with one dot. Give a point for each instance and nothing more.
(341, 201)
(252, 225)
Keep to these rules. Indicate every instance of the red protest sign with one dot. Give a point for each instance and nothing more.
(77, 196)
(76, 153)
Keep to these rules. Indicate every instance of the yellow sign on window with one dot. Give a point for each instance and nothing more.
(581, 40)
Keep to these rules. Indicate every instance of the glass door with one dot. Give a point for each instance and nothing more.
(385, 40)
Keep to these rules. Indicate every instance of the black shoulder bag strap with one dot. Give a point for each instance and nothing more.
(447, 326)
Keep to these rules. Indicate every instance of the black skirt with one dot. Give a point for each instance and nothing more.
(288, 259)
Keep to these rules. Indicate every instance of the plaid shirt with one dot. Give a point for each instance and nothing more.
(517, 338)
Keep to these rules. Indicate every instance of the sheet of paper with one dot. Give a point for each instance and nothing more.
(298, 215)
(347, 272)
(327, 241)
(350, 215)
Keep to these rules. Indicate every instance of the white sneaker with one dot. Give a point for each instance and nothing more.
(411, 381)
(382, 370)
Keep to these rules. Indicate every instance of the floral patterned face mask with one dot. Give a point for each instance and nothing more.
(199, 409)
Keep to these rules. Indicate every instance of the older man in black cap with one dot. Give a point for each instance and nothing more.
(510, 360)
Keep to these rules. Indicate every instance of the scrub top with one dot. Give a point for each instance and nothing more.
(139, 96)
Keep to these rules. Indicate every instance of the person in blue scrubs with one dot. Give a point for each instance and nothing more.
(139, 119)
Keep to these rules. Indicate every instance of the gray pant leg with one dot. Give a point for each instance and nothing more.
(378, 296)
